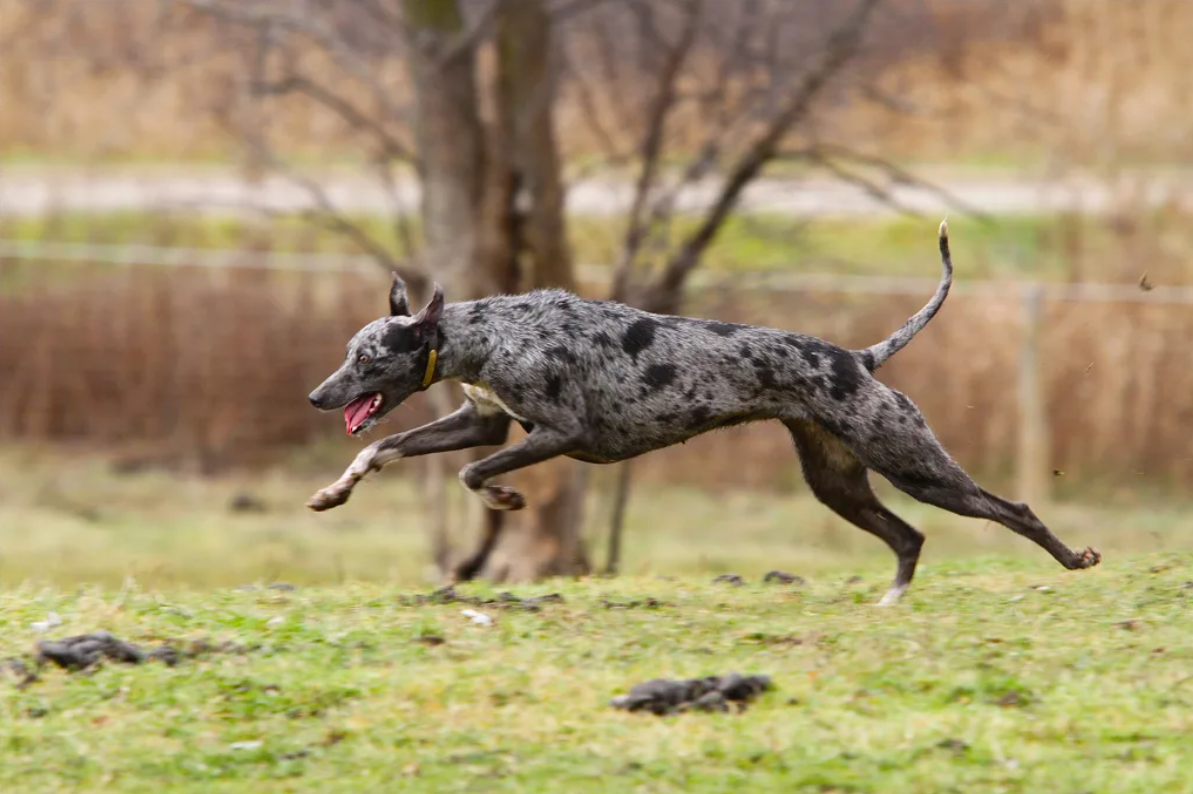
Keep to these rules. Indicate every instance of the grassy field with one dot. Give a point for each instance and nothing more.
(991, 676)
(999, 672)
(68, 519)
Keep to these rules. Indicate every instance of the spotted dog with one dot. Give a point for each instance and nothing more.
(602, 382)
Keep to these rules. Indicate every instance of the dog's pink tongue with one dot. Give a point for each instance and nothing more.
(357, 411)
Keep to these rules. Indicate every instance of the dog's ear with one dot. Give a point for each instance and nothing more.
(429, 316)
(398, 305)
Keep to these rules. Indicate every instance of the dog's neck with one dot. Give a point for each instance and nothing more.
(464, 345)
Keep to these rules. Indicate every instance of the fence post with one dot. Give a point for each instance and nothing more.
(1034, 437)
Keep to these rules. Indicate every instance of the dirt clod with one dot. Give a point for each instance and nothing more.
(782, 577)
(505, 600)
(638, 603)
(86, 650)
(714, 693)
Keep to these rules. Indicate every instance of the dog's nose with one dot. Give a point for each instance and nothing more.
(316, 400)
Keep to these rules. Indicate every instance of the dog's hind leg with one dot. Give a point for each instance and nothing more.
(839, 480)
(912, 458)
(965, 497)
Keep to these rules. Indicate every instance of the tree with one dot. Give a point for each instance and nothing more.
(491, 191)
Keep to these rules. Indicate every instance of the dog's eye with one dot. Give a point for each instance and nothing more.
(363, 359)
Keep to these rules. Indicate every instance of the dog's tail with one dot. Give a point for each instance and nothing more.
(874, 356)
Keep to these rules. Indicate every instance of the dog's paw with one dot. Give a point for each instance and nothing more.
(1089, 558)
(329, 497)
(499, 497)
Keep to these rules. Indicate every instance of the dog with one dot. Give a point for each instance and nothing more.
(602, 382)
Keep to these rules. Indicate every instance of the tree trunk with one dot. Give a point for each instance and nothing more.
(452, 169)
(493, 203)
(546, 539)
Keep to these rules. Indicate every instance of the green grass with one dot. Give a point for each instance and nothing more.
(982, 680)
(999, 672)
(1011, 246)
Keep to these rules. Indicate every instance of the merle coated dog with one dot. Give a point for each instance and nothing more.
(601, 382)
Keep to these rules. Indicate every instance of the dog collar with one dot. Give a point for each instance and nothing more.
(432, 358)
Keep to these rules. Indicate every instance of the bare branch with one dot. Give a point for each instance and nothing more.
(664, 294)
(660, 108)
(348, 112)
(825, 154)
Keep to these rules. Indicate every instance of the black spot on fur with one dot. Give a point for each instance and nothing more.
(400, 339)
(603, 339)
(746, 352)
(766, 375)
(810, 356)
(659, 376)
(698, 417)
(792, 340)
(721, 328)
(561, 353)
(690, 394)
(554, 388)
(868, 361)
(819, 382)
(639, 336)
(846, 372)
(665, 418)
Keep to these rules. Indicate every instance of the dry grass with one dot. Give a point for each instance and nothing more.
(69, 516)
(1067, 81)
(210, 368)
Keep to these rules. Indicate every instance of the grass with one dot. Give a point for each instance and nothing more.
(992, 676)
(1014, 246)
(999, 672)
(71, 519)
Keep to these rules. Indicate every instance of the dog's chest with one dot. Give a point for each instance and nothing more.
(487, 401)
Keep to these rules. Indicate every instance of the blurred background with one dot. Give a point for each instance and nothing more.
(201, 200)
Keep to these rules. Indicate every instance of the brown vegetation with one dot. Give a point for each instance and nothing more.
(212, 367)
(1071, 81)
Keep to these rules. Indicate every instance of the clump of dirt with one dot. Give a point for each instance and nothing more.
(448, 595)
(773, 577)
(663, 696)
(637, 603)
(782, 577)
(84, 652)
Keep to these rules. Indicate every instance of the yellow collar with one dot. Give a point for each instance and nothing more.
(432, 357)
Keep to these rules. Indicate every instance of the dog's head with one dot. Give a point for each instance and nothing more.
(388, 360)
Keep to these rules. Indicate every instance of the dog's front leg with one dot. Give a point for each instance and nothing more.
(542, 444)
(466, 427)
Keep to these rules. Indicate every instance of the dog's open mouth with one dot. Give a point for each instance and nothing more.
(359, 413)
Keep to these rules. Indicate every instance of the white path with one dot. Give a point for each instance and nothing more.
(28, 191)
